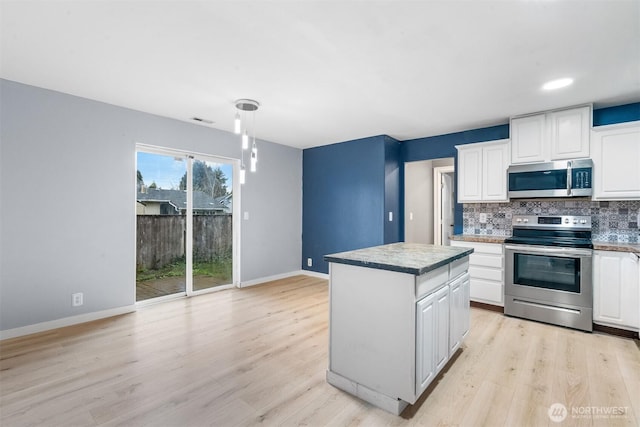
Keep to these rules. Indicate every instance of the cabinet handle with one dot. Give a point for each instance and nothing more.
(569, 173)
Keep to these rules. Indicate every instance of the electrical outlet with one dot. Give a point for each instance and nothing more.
(309, 262)
(77, 299)
(482, 218)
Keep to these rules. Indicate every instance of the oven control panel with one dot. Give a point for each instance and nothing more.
(552, 221)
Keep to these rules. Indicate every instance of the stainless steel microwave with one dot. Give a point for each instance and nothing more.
(565, 178)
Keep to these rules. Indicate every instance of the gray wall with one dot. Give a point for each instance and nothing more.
(67, 199)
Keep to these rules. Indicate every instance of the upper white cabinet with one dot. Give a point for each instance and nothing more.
(615, 150)
(482, 171)
(616, 289)
(555, 135)
(528, 136)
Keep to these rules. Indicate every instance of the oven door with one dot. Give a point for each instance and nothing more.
(547, 273)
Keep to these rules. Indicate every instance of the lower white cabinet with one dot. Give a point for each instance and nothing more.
(486, 268)
(426, 326)
(442, 322)
(616, 289)
(459, 316)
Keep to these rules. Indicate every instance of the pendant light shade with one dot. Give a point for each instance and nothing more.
(245, 140)
(241, 126)
(237, 125)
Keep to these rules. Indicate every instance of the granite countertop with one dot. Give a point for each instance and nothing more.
(617, 247)
(412, 258)
(480, 238)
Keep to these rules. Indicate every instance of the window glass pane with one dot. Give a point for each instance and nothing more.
(160, 226)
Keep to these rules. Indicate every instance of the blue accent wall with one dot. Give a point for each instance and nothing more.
(346, 190)
(618, 114)
(393, 191)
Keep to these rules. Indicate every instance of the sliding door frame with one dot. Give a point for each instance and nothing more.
(190, 157)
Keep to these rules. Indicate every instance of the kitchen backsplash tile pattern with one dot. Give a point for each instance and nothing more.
(614, 221)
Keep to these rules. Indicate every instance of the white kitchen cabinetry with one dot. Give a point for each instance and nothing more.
(390, 333)
(616, 289)
(554, 135)
(486, 270)
(616, 158)
(482, 171)
(459, 316)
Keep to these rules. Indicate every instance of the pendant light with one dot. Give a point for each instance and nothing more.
(241, 126)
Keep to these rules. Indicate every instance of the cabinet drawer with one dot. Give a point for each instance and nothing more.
(458, 267)
(484, 260)
(479, 247)
(486, 291)
(486, 273)
(431, 281)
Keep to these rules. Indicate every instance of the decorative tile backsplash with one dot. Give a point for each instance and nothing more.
(615, 221)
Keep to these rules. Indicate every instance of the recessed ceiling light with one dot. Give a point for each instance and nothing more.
(557, 84)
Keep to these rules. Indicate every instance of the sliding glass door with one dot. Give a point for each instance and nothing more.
(212, 224)
(185, 232)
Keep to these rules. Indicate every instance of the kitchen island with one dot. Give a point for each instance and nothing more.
(397, 313)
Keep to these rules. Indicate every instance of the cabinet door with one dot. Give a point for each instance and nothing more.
(455, 316)
(569, 133)
(528, 139)
(616, 289)
(425, 342)
(442, 327)
(466, 306)
(469, 174)
(459, 315)
(616, 156)
(495, 162)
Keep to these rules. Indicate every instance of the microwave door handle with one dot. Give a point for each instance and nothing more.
(569, 178)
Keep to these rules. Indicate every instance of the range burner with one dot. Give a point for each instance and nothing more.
(559, 231)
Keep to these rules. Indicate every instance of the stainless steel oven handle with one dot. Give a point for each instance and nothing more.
(569, 178)
(550, 250)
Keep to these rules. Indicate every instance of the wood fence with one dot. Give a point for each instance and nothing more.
(161, 239)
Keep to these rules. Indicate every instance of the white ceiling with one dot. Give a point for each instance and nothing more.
(329, 71)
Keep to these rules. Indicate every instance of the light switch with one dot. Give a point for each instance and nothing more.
(410, 216)
(390, 216)
(482, 218)
(246, 215)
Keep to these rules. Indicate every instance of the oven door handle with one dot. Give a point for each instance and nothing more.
(548, 250)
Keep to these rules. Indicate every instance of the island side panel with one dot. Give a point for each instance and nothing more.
(372, 328)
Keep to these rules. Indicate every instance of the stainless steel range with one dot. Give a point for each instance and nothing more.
(548, 270)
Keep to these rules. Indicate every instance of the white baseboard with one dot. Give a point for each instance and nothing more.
(88, 317)
(314, 274)
(66, 321)
(262, 280)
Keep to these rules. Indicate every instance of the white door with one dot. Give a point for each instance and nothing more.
(446, 223)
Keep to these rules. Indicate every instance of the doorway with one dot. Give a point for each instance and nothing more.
(443, 205)
(422, 199)
(186, 236)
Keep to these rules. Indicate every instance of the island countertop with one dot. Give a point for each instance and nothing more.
(411, 258)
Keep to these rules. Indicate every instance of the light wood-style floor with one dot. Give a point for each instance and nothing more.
(258, 356)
